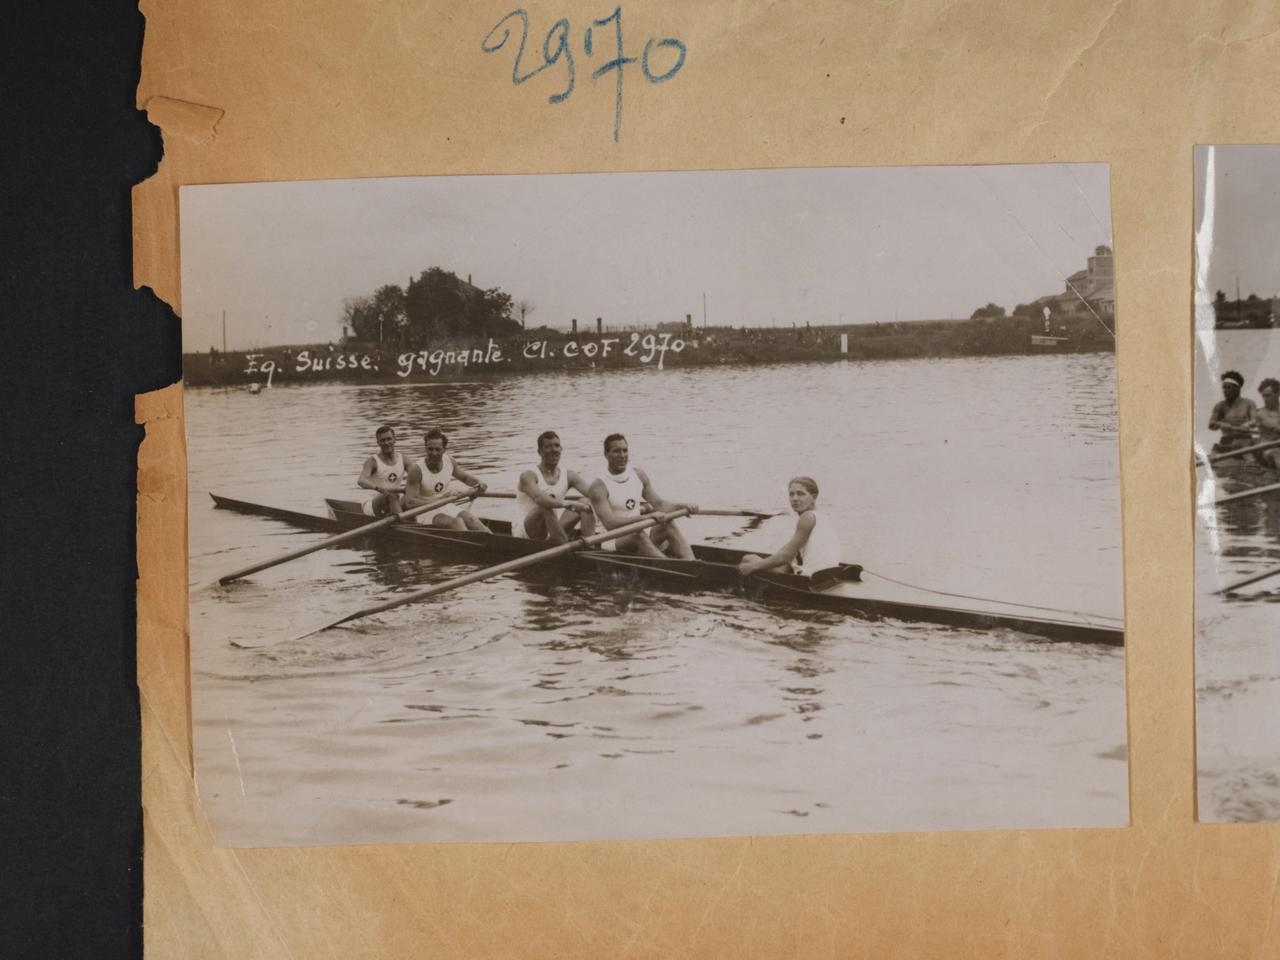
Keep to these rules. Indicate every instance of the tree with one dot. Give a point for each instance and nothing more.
(378, 318)
(989, 311)
(357, 314)
(440, 304)
(436, 305)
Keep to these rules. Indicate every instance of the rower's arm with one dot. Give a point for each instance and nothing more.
(468, 478)
(600, 503)
(788, 551)
(1215, 417)
(365, 480)
(577, 483)
(413, 489)
(529, 487)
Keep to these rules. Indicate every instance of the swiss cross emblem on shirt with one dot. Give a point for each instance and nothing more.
(631, 503)
(439, 487)
(393, 477)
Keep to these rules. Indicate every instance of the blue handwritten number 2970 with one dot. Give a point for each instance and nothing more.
(556, 46)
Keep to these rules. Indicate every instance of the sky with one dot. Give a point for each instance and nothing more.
(829, 245)
(1238, 220)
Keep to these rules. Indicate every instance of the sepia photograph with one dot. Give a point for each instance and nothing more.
(661, 505)
(1237, 451)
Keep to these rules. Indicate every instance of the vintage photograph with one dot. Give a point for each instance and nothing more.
(654, 505)
(1237, 440)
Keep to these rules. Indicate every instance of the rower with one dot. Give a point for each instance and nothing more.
(541, 510)
(813, 546)
(1268, 416)
(617, 496)
(384, 473)
(432, 476)
(1234, 415)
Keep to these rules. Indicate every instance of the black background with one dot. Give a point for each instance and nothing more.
(78, 343)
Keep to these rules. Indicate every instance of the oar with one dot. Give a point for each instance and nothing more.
(1251, 492)
(1232, 587)
(506, 495)
(349, 535)
(1219, 457)
(509, 566)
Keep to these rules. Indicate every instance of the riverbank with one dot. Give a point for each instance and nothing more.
(671, 345)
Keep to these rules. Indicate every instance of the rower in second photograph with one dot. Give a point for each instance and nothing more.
(1268, 417)
(618, 496)
(433, 476)
(1234, 415)
(385, 474)
(813, 546)
(541, 511)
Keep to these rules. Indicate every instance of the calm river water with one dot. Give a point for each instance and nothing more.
(1237, 659)
(534, 707)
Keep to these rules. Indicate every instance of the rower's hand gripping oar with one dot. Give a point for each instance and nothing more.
(355, 534)
(509, 566)
(507, 495)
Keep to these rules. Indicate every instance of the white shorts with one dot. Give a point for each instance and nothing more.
(517, 529)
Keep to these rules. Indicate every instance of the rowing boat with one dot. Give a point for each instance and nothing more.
(846, 589)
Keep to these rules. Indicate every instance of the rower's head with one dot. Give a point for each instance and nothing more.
(802, 492)
(1232, 384)
(386, 437)
(549, 447)
(1270, 390)
(436, 443)
(616, 452)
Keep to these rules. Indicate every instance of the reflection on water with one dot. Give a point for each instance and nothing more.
(1237, 662)
(545, 705)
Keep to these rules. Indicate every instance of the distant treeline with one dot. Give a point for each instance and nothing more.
(667, 345)
(1252, 311)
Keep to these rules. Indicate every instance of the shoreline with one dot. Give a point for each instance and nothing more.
(557, 352)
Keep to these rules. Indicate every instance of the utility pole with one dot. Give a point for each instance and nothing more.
(224, 330)
(704, 310)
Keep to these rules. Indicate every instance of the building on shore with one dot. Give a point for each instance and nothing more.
(1090, 293)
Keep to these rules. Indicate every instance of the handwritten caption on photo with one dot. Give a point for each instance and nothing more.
(644, 348)
(557, 48)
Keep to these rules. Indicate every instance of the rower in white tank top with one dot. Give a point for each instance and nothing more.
(813, 545)
(626, 492)
(385, 474)
(525, 504)
(438, 483)
(821, 551)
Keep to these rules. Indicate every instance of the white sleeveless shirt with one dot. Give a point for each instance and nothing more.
(395, 474)
(435, 483)
(626, 491)
(524, 503)
(821, 550)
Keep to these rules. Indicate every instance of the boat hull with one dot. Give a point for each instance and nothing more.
(842, 590)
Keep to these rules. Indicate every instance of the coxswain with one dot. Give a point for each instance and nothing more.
(619, 496)
(432, 477)
(813, 546)
(385, 473)
(541, 511)
(1234, 415)
(1268, 417)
